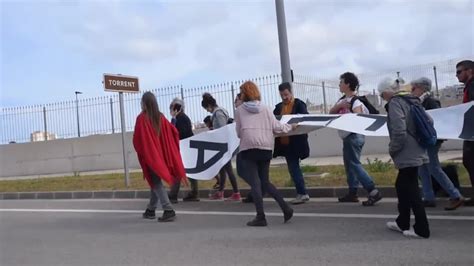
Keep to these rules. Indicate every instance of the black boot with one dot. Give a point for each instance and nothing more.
(149, 214)
(168, 216)
(191, 197)
(259, 220)
(287, 214)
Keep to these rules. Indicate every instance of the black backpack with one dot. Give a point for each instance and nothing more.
(365, 101)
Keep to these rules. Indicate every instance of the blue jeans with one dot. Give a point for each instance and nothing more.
(351, 149)
(296, 174)
(433, 168)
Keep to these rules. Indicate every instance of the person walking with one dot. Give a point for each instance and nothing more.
(185, 129)
(255, 126)
(293, 148)
(408, 156)
(421, 88)
(156, 142)
(353, 143)
(465, 75)
(220, 117)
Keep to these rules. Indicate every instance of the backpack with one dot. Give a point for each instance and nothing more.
(425, 132)
(365, 101)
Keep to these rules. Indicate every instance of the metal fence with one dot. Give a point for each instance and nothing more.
(101, 115)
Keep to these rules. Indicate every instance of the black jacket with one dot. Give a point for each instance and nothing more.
(298, 146)
(431, 103)
(184, 126)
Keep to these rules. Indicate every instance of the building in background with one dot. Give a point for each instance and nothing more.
(40, 136)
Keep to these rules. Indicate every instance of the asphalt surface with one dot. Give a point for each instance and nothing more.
(323, 232)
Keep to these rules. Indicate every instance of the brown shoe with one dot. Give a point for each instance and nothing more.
(454, 204)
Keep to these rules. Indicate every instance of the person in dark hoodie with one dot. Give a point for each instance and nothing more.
(255, 126)
(408, 156)
(293, 148)
(185, 128)
(421, 88)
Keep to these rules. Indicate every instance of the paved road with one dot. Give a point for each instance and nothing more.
(111, 232)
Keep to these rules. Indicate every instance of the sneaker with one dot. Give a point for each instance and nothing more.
(234, 197)
(394, 226)
(454, 204)
(429, 203)
(469, 202)
(168, 216)
(300, 199)
(287, 214)
(149, 214)
(411, 234)
(218, 195)
(191, 197)
(258, 221)
(372, 199)
(349, 198)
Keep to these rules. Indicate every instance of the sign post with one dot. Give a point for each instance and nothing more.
(121, 84)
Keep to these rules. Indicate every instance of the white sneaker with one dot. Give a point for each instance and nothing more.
(411, 234)
(300, 199)
(394, 226)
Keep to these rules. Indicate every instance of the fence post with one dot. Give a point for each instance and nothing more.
(324, 99)
(182, 93)
(112, 114)
(233, 97)
(45, 125)
(436, 81)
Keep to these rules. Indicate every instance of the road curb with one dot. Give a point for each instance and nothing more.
(287, 192)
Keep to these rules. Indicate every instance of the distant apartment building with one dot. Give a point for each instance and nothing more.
(41, 136)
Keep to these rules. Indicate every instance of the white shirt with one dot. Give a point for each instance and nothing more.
(357, 103)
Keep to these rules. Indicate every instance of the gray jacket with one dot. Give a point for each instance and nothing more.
(220, 117)
(403, 148)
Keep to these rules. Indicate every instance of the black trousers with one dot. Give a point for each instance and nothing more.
(409, 198)
(257, 166)
(223, 173)
(468, 159)
(174, 190)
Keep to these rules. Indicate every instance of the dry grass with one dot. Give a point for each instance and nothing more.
(279, 175)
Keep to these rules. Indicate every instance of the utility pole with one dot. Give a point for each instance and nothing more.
(283, 42)
(77, 113)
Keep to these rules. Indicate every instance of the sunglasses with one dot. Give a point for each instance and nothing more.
(459, 71)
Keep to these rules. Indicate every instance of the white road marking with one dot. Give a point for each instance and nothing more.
(278, 214)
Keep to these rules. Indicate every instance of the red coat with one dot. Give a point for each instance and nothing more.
(158, 153)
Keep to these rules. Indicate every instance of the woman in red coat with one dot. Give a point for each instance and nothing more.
(156, 142)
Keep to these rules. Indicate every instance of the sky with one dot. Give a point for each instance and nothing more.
(49, 49)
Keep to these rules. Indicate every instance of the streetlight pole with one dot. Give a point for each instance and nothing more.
(77, 113)
(283, 42)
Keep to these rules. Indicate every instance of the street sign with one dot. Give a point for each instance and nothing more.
(120, 83)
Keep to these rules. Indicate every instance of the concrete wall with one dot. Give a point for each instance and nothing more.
(104, 152)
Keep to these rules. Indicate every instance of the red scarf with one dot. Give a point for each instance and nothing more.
(158, 153)
(466, 97)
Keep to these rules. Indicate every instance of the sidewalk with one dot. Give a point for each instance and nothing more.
(288, 192)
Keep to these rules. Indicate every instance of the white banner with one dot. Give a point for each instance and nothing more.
(206, 153)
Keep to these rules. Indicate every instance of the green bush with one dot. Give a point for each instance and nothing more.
(378, 165)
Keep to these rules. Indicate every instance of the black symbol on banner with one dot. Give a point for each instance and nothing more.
(311, 119)
(467, 131)
(377, 124)
(202, 146)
